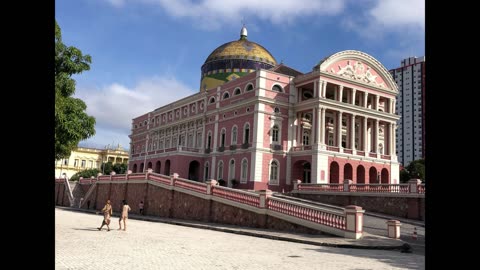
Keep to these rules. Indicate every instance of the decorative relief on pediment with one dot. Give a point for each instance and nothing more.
(358, 72)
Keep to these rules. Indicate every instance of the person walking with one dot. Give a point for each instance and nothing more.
(125, 209)
(107, 214)
(140, 207)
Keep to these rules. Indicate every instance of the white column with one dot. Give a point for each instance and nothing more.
(323, 126)
(352, 132)
(318, 126)
(299, 130)
(340, 92)
(377, 102)
(315, 91)
(339, 129)
(377, 126)
(365, 96)
(324, 89)
(365, 134)
(394, 141)
(354, 92)
(392, 108)
(314, 138)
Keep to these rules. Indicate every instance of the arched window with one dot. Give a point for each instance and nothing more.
(209, 140)
(226, 95)
(207, 165)
(274, 173)
(222, 138)
(277, 88)
(237, 91)
(249, 87)
(231, 169)
(234, 135)
(212, 100)
(306, 138)
(275, 134)
(246, 133)
(220, 171)
(244, 171)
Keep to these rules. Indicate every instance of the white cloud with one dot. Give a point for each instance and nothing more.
(115, 105)
(405, 17)
(394, 13)
(210, 14)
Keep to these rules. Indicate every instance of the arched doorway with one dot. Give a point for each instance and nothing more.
(307, 173)
(134, 170)
(360, 175)
(373, 176)
(347, 172)
(334, 173)
(167, 167)
(301, 170)
(385, 179)
(158, 165)
(149, 165)
(194, 170)
(141, 167)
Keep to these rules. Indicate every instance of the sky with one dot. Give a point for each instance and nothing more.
(148, 53)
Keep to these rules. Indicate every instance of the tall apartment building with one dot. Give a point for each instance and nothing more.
(410, 105)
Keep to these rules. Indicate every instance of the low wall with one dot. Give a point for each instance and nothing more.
(166, 202)
(405, 206)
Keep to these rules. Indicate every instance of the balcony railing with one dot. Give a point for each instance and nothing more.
(302, 148)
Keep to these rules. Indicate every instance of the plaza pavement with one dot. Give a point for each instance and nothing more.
(153, 243)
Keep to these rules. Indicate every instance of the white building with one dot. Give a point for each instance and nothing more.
(410, 105)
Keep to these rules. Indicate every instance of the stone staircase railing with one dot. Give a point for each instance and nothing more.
(347, 223)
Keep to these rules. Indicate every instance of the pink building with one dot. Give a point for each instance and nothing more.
(262, 127)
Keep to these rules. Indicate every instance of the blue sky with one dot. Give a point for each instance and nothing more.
(148, 53)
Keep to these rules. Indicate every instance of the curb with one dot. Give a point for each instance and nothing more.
(273, 237)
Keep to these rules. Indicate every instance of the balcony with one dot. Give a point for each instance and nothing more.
(246, 145)
(301, 148)
(276, 147)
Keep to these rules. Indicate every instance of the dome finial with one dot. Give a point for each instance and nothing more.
(243, 32)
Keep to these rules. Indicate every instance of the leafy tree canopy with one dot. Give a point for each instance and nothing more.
(85, 174)
(72, 124)
(414, 170)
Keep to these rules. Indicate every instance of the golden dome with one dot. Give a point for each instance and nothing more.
(233, 60)
(242, 49)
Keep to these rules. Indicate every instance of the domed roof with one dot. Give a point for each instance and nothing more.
(242, 49)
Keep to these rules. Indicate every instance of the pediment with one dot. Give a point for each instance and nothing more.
(360, 67)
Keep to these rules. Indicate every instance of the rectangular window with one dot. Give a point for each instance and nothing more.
(84, 162)
(65, 162)
(91, 163)
(75, 163)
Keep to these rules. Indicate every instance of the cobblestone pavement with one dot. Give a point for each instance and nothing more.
(152, 245)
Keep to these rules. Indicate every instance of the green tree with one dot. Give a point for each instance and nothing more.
(416, 169)
(85, 174)
(120, 168)
(72, 124)
(107, 168)
(404, 176)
